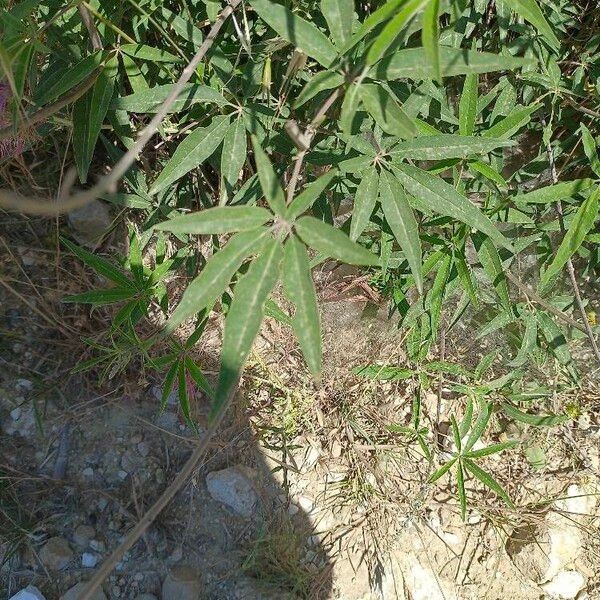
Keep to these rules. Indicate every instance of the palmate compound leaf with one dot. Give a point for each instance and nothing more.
(332, 242)
(216, 274)
(245, 317)
(220, 219)
(443, 198)
(192, 152)
(401, 219)
(300, 290)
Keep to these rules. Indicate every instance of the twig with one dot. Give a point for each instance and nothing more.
(570, 267)
(108, 183)
(87, 20)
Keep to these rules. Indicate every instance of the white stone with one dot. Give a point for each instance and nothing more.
(90, 222)
(15, 413)
(566, 585)
(28, 593)
(233, 487)
(88, 560)
(88, 472)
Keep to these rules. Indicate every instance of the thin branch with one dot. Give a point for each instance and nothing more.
(535, 297)
(108, 183)
(570, 267)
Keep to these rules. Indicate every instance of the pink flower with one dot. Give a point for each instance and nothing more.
(11, 146)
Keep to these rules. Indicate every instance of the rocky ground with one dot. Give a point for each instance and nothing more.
(304, 493)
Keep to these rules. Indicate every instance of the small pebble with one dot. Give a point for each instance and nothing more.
(88, 472)
(143, 448)
(123, 474)
(83, 534)
(89, 560)
(15, 413)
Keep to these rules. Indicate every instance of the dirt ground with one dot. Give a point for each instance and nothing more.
(331, 504)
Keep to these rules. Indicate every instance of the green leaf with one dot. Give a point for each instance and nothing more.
(192, 152)
(107, 296)
(552, 193)
(268, 180)
(183, 396)
(442, 471)
(386, 111)
(151, 99)
(538, 420)
(493, 449)
(144, 52)
(488, 172)
(220, 219)
(379, 16)
(445, 146)
(302, 34)
(531, 12)
(233, 155)
(392, 29)
(529, 340)
(198, 377)
(487, 480)
(167, 387)
(430, 36)
(402, 222)
(483, 418)
(339, 15)
(332, 242)
(324, 80)
(349, 107)
(508, 126)
(216, 275)
(492, 266)
(554, 337)
(69, 79)
(383, 372)
(88, 115)
(467, 107)
(245, 317)
(309, 195)
(300, 290)
(581, 224)
(589, 147)
(185, 28)
(365, 199)
(99, 265)
(408, 63)
(444, 199)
